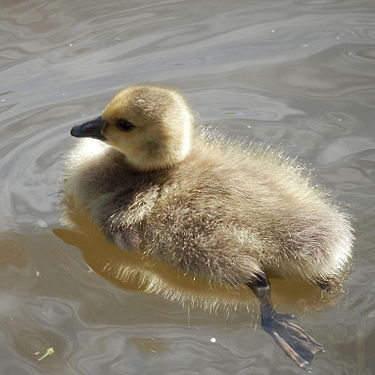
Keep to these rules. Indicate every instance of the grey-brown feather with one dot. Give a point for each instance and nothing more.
(223, 214)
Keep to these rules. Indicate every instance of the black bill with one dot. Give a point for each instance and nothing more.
(91, 129)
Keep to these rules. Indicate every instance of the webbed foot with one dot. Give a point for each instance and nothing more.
(292, 339)
(296, 344)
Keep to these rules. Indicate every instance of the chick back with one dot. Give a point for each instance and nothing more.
(222, 214)
(226, 215)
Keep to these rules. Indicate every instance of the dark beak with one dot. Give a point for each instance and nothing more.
(91, 129)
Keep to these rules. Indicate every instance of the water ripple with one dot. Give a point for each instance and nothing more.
(294, 74)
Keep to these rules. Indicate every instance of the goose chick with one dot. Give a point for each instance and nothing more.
(155, 184)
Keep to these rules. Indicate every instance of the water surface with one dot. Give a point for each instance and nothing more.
(294, 74)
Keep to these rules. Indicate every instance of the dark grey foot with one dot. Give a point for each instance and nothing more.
(293, 340)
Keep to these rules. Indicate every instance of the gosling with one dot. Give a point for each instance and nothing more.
(157, 184)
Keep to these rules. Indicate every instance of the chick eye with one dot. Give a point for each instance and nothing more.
(124, 125)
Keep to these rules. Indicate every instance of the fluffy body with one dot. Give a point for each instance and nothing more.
(221, 213)
(206, 208)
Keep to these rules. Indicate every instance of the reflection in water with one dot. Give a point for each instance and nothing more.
(12, 253)
(136, 271)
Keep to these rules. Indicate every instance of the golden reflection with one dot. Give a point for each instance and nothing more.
(12, 253)
(136, 271)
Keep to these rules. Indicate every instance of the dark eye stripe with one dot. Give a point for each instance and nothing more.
(124, 125)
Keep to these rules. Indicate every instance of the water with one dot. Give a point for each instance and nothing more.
(295, 74)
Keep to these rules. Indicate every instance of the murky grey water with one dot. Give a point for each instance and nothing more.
(300, 74)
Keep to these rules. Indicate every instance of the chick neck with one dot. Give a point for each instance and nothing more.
(155, 155)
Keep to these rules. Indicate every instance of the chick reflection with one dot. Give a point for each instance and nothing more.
(206, 209)
(132, 270)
